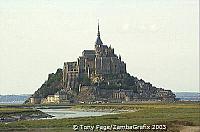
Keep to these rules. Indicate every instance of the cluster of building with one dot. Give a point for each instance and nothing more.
(57, 98)
(93, 66)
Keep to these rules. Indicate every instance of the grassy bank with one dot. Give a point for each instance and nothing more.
(173, 115)
(8, 114)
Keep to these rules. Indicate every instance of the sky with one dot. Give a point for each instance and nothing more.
(158, 39)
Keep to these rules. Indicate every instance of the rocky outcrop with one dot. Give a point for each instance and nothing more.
(49, 87)
(99, 74)
(109, 87)
(122, 87)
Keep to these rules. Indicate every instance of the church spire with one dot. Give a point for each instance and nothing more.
(98, 34)
(98, 40)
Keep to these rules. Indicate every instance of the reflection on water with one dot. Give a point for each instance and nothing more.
(65, 113)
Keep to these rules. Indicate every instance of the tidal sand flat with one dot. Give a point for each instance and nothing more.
(72, 113)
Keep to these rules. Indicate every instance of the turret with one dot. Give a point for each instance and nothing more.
(120, 57)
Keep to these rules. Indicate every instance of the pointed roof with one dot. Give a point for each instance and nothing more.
(98, 40)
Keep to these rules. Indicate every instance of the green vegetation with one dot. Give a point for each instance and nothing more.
(12, 113)
(51, 86)
(121, 81)
(172, 115)
(11, 110)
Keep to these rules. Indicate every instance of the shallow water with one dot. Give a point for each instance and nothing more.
(65, 113)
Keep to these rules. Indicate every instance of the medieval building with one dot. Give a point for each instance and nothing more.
(98, 75)
(100, 61)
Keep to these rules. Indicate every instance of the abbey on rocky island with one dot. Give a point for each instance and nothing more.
(99, 75)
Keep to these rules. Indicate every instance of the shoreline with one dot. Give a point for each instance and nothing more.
(102, 110)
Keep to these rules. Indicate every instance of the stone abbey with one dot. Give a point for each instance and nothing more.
(93, 63)
(98, 75)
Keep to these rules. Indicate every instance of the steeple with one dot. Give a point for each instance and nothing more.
(98, 40)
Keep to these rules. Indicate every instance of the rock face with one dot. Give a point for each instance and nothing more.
(49, 87)
(99, 75)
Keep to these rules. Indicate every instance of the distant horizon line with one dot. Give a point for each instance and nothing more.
(173, 92)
